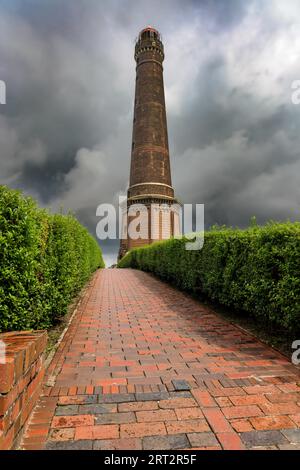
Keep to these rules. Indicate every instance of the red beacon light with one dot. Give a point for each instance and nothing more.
(149, 33)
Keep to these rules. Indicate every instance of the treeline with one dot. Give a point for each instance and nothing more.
(45, 259)
(255, 271)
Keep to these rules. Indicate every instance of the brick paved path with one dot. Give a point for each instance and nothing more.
(145, 366)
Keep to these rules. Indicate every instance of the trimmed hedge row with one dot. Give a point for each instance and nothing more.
(44, 261)
(255, 271)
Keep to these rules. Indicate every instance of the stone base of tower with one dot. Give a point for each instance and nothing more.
(148, 220)
(122, 251)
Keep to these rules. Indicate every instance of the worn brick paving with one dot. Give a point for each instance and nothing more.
(144, 366)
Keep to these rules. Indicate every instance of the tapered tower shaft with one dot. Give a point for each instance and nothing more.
(150, 175)
(150, 164)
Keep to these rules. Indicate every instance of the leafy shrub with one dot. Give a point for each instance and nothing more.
(254, 271)
(44, 260)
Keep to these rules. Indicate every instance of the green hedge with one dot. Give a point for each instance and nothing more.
(44, 261)
(255, 271)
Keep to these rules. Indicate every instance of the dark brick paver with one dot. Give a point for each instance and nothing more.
(143, 365)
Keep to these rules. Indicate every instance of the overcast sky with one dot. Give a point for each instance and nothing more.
(65, 132)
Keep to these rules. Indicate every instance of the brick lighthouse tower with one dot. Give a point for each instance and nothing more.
(150, 175)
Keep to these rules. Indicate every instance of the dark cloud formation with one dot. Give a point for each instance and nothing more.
(234, 133)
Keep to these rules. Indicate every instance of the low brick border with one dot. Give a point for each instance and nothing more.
(21, 377)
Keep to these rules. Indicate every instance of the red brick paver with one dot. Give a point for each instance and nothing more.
(143, 365)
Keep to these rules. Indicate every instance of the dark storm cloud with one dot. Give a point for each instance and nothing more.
(66, 129)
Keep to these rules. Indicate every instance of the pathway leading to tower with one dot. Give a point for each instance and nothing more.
(145, 366)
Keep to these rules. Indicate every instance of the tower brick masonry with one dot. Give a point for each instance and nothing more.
(150, 173)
